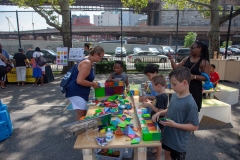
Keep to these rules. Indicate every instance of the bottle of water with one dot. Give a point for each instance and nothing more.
(92, 94)
(109, 135)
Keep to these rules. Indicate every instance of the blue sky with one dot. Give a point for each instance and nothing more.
(27, 19)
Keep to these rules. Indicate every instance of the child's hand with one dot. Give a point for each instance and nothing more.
(169, 123)
(127, 88)
(146, 104)
(143, 98)
(156, 116)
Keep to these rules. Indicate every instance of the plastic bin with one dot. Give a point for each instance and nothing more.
(4, 134)
(127, 152)
(100, 157)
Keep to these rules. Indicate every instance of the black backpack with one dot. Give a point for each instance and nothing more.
(66, 80)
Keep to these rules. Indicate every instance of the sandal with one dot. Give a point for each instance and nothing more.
(17, 84)
(3, 87)
(23, 84)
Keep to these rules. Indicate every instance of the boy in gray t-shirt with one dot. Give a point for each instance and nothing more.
(183, 114)
(118, 74)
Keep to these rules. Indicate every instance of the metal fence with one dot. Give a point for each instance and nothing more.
(148, 30)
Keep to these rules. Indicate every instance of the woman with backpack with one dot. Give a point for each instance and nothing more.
(37, 70)
(82, 80)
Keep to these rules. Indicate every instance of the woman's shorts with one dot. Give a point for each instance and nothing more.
(78, 103)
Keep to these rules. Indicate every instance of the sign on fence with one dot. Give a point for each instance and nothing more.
(62, 56)
(76, 54)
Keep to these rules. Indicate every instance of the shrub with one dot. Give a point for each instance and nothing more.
(140, 66)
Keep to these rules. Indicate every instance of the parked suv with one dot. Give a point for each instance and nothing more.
(49, 55)
(182, 53)
(147, 56)
(118, 51)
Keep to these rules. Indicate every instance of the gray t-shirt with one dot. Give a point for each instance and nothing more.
(120, 77)
(180, 110)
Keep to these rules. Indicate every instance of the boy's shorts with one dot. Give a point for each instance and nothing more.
(174, 154)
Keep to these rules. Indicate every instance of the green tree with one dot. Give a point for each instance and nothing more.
(225, 43)
(189, 39)
(136, 4)
(215, 14)
(60, 7)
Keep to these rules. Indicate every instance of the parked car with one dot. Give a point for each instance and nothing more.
(234, 50)
(49, 55)
(181, 54)
(147, 56)
(118, 51)
(167, 50)
(236, 46)
(106, 57)
(222, 51)
(154, 50)
(136, 50)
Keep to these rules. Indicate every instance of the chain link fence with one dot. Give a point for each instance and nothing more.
(150, 32)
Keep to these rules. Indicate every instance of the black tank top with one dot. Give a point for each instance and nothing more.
(195, 86)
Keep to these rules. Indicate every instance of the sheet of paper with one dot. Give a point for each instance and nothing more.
(76, 54)
(62, 56)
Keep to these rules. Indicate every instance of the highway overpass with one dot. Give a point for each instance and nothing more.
(135, 31)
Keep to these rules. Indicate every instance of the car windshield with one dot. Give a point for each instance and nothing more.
(153, 49)
(137, 49)
(119, 48)
(52, 52)
(167, 48)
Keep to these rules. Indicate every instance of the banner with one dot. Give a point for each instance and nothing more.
(76, 54)
(62, 56)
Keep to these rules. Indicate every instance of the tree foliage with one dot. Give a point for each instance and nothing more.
(208, 9)
(203, 6)
(189, 39)
(48, 14)
(225, 43)
(60, 7)
(136, 4)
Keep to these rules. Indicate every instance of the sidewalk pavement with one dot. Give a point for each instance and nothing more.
(38, 115)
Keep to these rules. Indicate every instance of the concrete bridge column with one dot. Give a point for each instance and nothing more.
(45, 37)
(170, 40)
(49, 38)
(150, 23)
(107, 37)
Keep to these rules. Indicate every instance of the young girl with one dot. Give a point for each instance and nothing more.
(118, 74)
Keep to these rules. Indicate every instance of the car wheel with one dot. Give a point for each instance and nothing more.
(163, 60)
(137, 60)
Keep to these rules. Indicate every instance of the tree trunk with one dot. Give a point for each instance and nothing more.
(213, 34)
(66, 30)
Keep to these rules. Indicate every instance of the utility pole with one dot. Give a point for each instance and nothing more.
(177, 31)
(19, 38)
